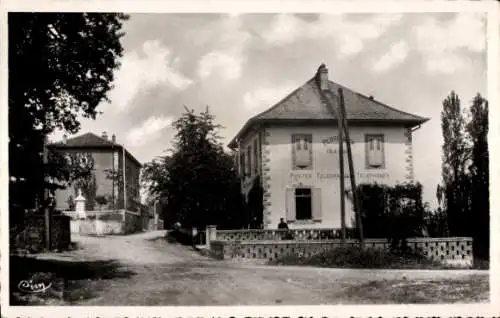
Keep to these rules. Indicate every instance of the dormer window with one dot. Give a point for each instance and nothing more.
(375, 152)
(302, 151)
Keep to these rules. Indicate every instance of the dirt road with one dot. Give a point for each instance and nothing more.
(144, 269)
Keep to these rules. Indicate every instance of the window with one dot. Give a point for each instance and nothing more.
(242, 164)
(302, 151)
(255, 157)
(303, 203)
(375, 152)
(249, 163)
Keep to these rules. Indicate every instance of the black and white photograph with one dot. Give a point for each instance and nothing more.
(246, 158)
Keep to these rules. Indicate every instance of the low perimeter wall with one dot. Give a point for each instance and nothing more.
(270, 235)
(110, 223)
(454, 251)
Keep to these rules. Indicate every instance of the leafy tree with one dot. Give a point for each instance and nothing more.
(60, 66)
(255, 204)
(456, 186)
(464, 193)
(396, 213)
(477, 129)
(198, 182)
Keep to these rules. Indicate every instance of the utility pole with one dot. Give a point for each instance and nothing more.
(342, 176)
(46, 194)
(351, 168)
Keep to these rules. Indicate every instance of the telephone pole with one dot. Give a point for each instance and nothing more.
(342, 177)
(351, 168)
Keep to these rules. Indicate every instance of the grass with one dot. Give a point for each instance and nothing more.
(473, 289)
(353, 257)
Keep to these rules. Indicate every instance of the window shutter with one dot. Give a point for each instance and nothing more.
(290, 204)
(316, 204)
(375, 152)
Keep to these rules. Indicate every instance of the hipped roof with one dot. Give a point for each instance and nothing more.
(92, 141)
(307, 105)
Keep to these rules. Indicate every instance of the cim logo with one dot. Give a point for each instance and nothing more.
(28, 286)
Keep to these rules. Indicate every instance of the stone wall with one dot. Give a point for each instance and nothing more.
(32, 237)
(110, 223)
(455, 251)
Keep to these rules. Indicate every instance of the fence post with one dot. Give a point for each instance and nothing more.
(210, 234)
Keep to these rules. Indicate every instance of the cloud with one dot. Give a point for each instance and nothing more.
(229, 42)
(141, 72)
(265, 97)
(396, 55)
(440, 44)
(445, 63)
(285, 29)
(348, 35)
(148, 130)
(228, 65)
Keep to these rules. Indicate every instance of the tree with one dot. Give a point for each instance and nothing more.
(477, 129)
(464, 193)
(198, 181)
(60, 66)
(456, 186)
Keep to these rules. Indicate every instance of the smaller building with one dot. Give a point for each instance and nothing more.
(116, 190)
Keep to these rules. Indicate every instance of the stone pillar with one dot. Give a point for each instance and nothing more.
(211, 234)
(80, 205)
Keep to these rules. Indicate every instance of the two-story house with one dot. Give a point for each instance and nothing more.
(122, 190)
(293, 147)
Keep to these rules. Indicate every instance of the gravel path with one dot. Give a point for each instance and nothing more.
(160, 273)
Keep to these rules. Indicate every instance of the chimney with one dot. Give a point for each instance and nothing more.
(104, 135)
(113, 138)
(370, 97)
(322, 77)
(65, 139)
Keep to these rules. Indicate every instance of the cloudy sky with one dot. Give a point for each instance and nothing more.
(239, 65)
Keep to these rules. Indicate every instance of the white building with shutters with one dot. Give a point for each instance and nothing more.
(291, 150)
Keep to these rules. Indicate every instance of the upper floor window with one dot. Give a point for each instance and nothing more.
(375, 158)
(302, 151)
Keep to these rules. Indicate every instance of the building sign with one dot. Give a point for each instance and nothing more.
(332, 144)
(326, 176)
(333, 140)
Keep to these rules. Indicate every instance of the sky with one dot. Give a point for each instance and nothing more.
(241, 64)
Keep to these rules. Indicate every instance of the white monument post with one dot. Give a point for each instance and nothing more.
(80, 205)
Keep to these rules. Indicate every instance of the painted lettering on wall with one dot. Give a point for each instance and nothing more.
(324, 176)
(332, 144)
(300, 176)
(333, 140)
(359, 175)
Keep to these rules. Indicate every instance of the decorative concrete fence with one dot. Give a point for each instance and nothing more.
(269, 245)
(291, 234)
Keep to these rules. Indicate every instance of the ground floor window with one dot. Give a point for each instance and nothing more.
(303, 203)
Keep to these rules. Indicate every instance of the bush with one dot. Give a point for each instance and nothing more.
(354, 257)
(179, 236)
(395, 212)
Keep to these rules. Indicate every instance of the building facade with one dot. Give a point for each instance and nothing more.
(293, 150)
(122, 191)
